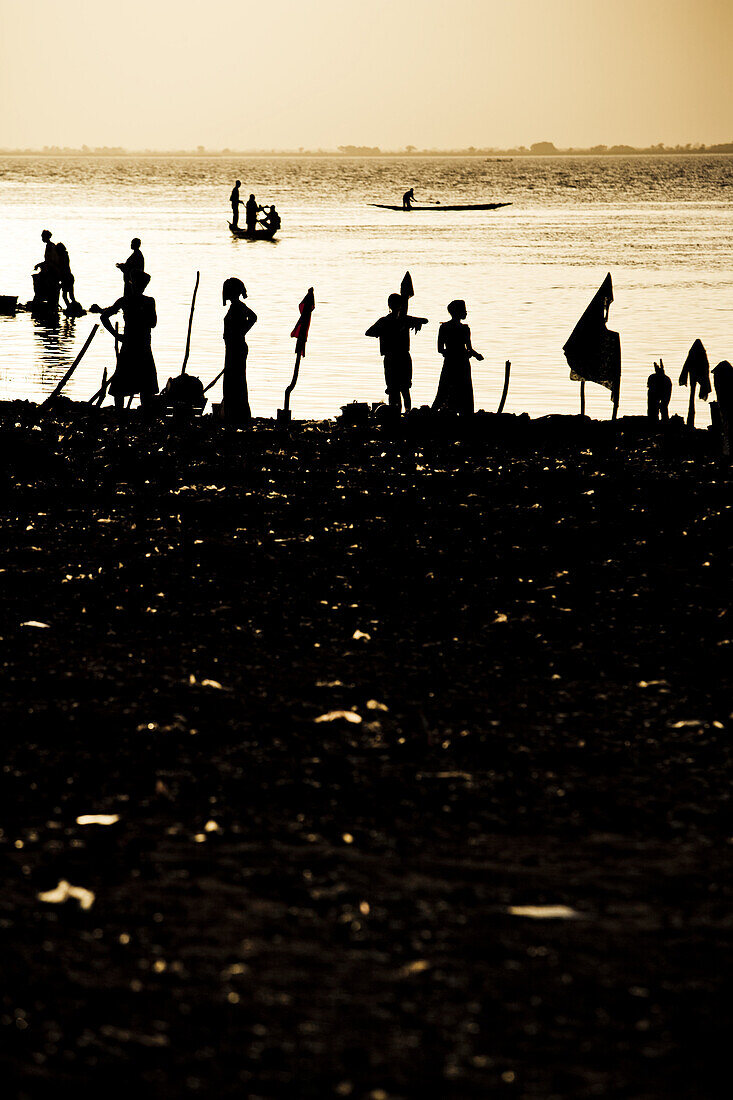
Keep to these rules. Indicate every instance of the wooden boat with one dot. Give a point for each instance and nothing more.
(259, 234)
(438, 206)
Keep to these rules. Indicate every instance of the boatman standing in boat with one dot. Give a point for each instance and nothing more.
(236, 203)
(407, 199)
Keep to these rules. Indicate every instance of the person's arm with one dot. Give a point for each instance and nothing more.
(441, 340)
(471, 353)
(415, 323)
(249, 319)
(375, 330)
(153, 313)
(105, 315)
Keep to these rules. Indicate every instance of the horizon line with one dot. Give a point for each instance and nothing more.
(542, 149)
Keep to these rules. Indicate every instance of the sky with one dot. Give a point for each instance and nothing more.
(285, 74)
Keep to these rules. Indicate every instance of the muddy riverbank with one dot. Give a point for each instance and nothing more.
(355, 694)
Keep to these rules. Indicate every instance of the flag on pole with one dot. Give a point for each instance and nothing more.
(697, 369)
(300, 332)
(406, 288)
(593, 351)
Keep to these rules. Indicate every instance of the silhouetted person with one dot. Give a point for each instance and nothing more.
(723, 382)
(66, 276)
(407, 199)
(659, 392)
(46, 278)
(393, 332)
(271, 220)
(238, 320)
(135, 371)
(251, 211)
(134, 263)
(455, 389)
(236, 203)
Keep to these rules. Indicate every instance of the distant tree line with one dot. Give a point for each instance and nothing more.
(538, 149)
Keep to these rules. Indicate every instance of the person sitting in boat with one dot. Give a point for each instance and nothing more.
(135, 262)
(236, 203)
(135, 372)
(238, 320)
(455, 389)
(393, 332)
(251, 211)
(407, 199)
(66, 279)
(271, 221)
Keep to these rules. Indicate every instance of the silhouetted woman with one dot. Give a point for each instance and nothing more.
(455, 389)
(237, 323)
(135, 371)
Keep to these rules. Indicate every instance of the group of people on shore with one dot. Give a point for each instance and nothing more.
(455, 388)
(270, 222)
(135, 372)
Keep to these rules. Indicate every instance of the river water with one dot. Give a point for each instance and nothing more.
(663, 226)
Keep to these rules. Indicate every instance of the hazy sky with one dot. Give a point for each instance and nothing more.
(290, 73)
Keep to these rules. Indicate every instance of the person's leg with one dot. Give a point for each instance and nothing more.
(407, 400)
(119, 402)
(235, 215)
(664, 412)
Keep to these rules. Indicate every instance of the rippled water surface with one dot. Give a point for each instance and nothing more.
(662, 226)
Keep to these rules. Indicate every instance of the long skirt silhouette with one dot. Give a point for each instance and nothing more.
(135, 371)
(236, 398)
(455, 389)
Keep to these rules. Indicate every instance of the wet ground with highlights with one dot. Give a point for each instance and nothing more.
(363, 762)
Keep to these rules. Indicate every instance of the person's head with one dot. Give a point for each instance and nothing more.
(46, 235)
(251, 196)
(238, 183)
(137, 282)
(394, 302)
(457, 309)
(233, 290)
(135, 244)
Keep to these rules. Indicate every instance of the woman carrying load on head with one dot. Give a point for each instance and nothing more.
(135, 372)
(455, 389)
(238, 320)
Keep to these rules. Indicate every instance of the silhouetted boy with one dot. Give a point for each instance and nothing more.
(394, 344)
(659, 392)
(135, 262)
(407, 199)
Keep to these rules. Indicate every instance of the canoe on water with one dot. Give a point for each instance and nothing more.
(259, 234)
(438, 206)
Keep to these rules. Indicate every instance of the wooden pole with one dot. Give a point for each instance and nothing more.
(101, 392)
(291, 387)
(507, 372)
(219, 375)
(691, 406)
(582, 397)
(190, 323)
(72, 368)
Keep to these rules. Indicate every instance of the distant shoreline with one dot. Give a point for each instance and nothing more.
(364, 152)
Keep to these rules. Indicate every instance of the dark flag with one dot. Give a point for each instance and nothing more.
(697, 370)
(406, 288)
(300, 332)
(593, 351)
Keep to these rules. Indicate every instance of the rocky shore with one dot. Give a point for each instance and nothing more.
(356, 704)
